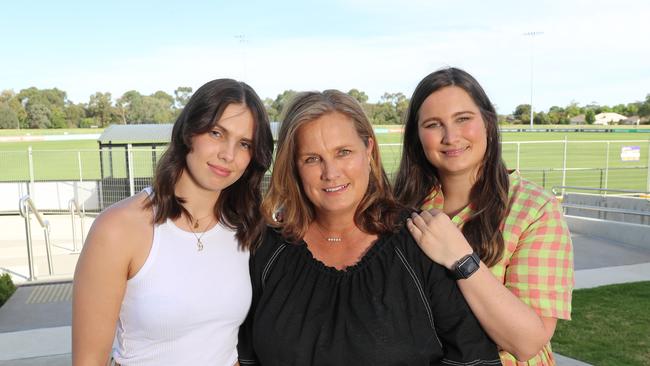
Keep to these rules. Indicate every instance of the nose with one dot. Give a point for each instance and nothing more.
(330, 170)
(226, 152)
(451, 134)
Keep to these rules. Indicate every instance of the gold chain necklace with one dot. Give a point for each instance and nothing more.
(333, 239)
(199, 243)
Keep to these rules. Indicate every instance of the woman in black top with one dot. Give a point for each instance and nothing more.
(339, 281)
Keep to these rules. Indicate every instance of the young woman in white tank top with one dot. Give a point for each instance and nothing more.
(163, 277)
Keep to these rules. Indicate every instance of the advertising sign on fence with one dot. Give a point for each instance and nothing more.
(630, 153)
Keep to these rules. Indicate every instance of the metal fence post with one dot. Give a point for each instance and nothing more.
(518, 152)
(600, 185)
(606, 168)
(71, 207)
(129, 156)
(48, 248)
(28, 235)
(30, 159)
(82, 212)
(566, 143)
(647, 188)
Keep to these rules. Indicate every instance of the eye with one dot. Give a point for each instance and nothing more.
(215, 133)
(463, 118)
(432, 124)
(245, 145)
(311, 160)
(345, 152)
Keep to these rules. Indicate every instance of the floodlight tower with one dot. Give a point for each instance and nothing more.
(532, 53)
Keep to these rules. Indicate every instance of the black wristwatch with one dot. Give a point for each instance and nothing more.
(466, 266)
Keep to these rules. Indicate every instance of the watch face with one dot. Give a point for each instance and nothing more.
(467, 265)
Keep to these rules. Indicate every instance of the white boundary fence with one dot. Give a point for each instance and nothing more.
(96, 179)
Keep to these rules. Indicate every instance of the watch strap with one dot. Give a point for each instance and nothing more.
(466, 266)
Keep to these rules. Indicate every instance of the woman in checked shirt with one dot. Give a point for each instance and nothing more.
(504, 235)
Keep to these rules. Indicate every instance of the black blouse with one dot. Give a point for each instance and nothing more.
(394, 307)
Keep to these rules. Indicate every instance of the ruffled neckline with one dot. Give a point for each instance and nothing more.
(367, 257)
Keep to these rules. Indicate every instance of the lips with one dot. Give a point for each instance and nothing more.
(455, 152)
(336, 189)
(219, 170)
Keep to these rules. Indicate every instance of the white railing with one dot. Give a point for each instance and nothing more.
(98, 178)
(75, 211)
(26, 207)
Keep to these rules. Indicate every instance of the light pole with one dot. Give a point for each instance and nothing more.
(243, 40)
(532, 36)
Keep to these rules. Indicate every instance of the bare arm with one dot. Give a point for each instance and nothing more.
(512, 324)
(99, 285)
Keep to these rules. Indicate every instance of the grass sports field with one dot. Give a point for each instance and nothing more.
(589, 163)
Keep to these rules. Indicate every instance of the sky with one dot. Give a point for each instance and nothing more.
(587, 52)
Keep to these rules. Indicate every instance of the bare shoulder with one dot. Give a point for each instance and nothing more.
(121, 223)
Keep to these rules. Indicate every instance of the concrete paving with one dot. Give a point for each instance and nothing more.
(35, 321)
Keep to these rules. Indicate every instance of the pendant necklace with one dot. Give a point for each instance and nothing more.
(199, 243)
(332, 239)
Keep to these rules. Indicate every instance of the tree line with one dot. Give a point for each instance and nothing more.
(562, 115)
(50, 108)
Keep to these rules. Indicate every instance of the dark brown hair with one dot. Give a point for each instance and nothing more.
(377, 213)
(416, 176)
(238, 204)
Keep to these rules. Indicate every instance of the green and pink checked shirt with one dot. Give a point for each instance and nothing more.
(537, 263)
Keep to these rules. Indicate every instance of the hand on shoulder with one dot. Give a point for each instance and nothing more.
(438, 237)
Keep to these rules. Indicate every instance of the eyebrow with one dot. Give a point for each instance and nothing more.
(453, 116)
(227, 132)
(302, 153)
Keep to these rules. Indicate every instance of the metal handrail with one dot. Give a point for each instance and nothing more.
(606, 209)
(26, 205)
(555, 189)
(73, 207)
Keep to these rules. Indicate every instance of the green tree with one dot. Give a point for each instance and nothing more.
(58, 118)
(38, 115)
(44, 108)
(274, 115)
(74, 113)
(522, 113)
(11, 99)
(632, 109)
(282, 100)
(556, 115)
(182, 95)
(391, 109)
(162, 107)
(100, 107)
(573, 109)
(130, 107)
(8, 118)
(590, 116)
(644, 108)
(620, 109)
(360, 96)
(541, 118)
(46, 97)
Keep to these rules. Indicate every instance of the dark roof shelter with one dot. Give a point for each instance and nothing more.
(127, 157)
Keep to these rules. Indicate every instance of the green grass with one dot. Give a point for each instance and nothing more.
(542, 163)
(37, 131)
(610, 326)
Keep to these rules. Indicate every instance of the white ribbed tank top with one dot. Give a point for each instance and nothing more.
(184, 307)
